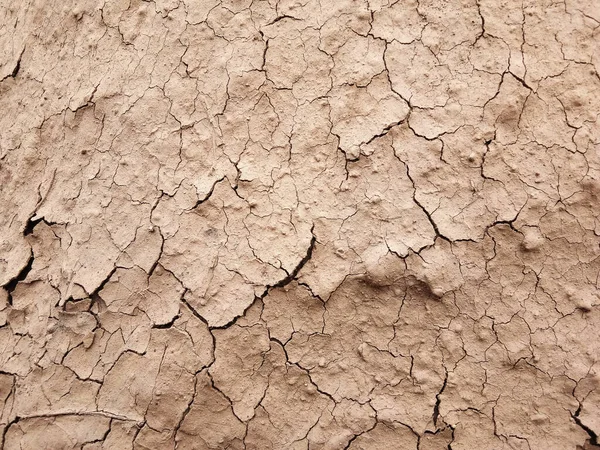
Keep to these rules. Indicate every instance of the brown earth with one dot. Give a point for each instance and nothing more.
(300, 224)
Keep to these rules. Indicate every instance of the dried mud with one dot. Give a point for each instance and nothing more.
(300, 224)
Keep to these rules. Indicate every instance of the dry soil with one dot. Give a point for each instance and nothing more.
(299, 224)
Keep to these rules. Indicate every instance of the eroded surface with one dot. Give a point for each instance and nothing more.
(316, 224)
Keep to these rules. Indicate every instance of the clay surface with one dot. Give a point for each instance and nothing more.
(299, 224)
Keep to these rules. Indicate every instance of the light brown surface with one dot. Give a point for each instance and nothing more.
(300, 224)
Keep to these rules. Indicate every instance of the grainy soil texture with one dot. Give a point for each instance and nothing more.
(299, 224)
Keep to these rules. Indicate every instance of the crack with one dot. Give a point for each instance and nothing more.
(292, 275)
(21, 276)
(186, 411)
(593, 436)
(414, 196)
(356, 436)
(96, 292)
(16, 69)
(438, 401)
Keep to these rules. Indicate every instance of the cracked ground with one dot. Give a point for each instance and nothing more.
(300, 224)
